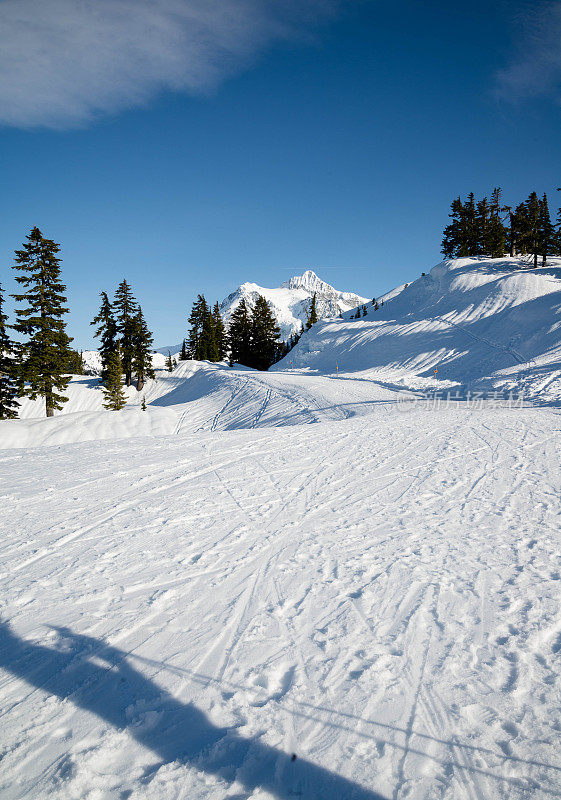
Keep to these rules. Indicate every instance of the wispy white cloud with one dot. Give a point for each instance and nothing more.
(535, 64)
(65, 62)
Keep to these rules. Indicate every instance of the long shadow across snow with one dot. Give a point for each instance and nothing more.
(98, 678)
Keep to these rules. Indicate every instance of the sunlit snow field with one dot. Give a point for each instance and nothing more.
(298, 563)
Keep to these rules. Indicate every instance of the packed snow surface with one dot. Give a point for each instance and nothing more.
(215, 598)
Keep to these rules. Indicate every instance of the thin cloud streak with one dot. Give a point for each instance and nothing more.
(535, 67)
(66, 62)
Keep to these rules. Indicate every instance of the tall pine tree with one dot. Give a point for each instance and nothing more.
(8, 389)
(239, 335)
(312, 314)
(546, 231)
(43, 370)
(142, 341)
(208, 345)
(106, 331)
(533, 226)
(496, 236)
(219, 333)
(126, 308)
(265, 334)
(197, 343)
(113, 387)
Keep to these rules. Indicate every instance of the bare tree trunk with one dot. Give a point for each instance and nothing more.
(49, 402)
(139, 383)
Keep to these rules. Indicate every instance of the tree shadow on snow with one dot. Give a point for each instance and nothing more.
(98, 678)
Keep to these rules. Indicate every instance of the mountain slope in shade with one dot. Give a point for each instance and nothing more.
(291, 300)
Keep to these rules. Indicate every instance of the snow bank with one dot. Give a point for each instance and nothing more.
(482, 323)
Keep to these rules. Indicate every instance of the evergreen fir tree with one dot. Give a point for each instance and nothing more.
(169, 362)
(239, 335)
(113, 387)
(546, 231)
(519, 230)
(143, 403)
(183, 354)
(496, 235)
(126, 309)
(8, 388)
(106, 331)
(364, 312)
(471, 224)
(482, 227)
(219, 332)
(265, 334)
(208, 345)
(533, 226)
(44, 364)
(312, 314)
(453, 240)
(199, 313)
(142, 341)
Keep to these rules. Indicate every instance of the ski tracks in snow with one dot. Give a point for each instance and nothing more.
(379, 596)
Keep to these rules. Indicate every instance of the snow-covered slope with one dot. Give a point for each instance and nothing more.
(379, 597)
(222, 600)
(291, 300)
(484, 324)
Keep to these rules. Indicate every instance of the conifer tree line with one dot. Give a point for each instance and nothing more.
(252, 338)
(487, 227)
(125, 344)
(207, 337)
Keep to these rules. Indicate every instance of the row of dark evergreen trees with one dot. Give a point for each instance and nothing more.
(207, 339)
(252, 338)
(125, 344)
(39, 363)
(490, 228)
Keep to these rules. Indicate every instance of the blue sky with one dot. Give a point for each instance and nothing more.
(257, 145)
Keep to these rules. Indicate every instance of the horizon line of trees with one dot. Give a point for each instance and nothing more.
(490, 228)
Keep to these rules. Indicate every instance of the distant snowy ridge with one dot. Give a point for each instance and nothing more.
(92, 360)
(291, 300)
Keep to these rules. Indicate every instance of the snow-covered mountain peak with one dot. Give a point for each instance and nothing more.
(309, 281)
(290, 301)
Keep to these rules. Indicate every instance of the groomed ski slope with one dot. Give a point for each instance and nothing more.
(193, 594)
(379, 596)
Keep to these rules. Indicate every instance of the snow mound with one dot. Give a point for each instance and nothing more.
(481, 323)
